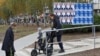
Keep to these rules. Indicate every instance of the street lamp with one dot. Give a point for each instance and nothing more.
(37, 18)
(46, 15)
(46, 10)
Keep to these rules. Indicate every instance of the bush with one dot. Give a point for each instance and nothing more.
(83, 30)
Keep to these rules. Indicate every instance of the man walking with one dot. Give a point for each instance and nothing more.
(8, 43)
(57, 25)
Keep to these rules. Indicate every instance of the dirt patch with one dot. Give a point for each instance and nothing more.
(19, 31)
(73, 36)
(94, 52)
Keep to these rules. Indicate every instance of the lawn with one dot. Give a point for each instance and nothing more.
(2, 31)
(19, 31)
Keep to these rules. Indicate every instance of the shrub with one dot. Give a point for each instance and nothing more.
(83, 30)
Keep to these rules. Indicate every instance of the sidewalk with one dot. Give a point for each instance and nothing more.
(73, 46)
(24, 41)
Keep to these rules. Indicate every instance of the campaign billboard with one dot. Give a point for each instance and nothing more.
(74, 13)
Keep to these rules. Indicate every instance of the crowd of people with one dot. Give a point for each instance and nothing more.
(29, 19)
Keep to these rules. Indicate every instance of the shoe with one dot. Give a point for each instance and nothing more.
(61, 51)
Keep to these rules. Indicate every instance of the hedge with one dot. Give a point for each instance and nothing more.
(83, 30)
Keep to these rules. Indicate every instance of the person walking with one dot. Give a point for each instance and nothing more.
(8, 43)
(56, 25)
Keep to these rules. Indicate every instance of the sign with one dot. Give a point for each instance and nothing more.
(74, 13)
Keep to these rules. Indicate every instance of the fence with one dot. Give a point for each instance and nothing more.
(93, 32)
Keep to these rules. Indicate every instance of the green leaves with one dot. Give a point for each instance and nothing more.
(16, 7)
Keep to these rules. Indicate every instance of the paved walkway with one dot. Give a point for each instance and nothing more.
(24, 41)
(70, 46)
(73, 46)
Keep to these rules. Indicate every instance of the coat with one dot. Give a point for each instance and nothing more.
(8, 43)
(57, 25)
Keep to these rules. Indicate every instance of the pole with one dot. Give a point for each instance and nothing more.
(46, 47)
(94, 35)
(93, 30)
(44, 15)
(98, 8)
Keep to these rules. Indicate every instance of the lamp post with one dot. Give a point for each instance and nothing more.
(37, 18)
(46, 12)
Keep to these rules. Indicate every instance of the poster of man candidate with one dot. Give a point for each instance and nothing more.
(74, 13)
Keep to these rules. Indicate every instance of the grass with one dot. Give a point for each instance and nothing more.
(3, 28)
(2, 31)
(19, 31)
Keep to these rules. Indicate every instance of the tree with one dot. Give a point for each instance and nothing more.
(5, 13)
(16, 7)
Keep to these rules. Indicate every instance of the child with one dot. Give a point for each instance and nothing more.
(40, 40)
(39, 33)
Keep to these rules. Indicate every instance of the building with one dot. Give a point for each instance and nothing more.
(96, 6)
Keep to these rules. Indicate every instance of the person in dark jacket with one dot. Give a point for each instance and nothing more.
(8, 43)
(56, 25)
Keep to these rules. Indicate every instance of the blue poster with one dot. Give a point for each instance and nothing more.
(74, 13)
